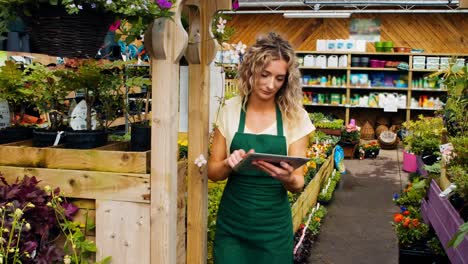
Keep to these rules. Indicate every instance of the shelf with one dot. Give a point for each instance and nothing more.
(329, 105)
(428, 90)
(322, 68)
(425, 108)
(324, 87)
(425, 70)
(382, 53)
(370, 107)
(379, 88)
(373, 69)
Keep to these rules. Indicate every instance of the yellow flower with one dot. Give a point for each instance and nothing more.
(9, 204)
(47, 188)
(18, 212)
(27, 226)
(49, 204)
(30, 205)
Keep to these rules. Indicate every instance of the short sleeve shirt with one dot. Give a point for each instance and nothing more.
(228, 123)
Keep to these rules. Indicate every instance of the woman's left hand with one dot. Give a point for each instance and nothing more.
(282, 172)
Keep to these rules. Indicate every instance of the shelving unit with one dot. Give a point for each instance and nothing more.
(349, 111)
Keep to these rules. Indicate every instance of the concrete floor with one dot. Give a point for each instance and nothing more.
(357, 227)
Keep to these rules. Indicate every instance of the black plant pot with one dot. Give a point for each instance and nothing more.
(140, 138)
(428, 158)
(421, 254)
(86, 139)
(46, 138)
(12, 134)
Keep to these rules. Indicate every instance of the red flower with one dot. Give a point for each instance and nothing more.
(406, 213)
(406, 222)
(397, 218)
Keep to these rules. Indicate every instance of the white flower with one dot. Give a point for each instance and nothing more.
(80, 7)
(27, 226)
(240, 47)
(66, 259)
(47, 188)
(72, 6)
(200, 161)
(109, 2)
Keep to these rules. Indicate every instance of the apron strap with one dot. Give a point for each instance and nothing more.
(279, 121)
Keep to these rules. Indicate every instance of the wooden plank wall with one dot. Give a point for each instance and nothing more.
(436, 33)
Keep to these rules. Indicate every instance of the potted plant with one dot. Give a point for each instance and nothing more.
(327, 125)
(17, 94)
(349, 140)
(100, 85)
(371, 150)
(138, 106)
(50, 99)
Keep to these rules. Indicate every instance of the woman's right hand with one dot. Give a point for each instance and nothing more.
(236, 157)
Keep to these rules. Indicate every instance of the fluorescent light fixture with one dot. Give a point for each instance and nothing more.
(311, 14)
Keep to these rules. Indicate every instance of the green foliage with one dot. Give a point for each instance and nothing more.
(316, 220)
(459, 176)
(326, 194)
(455, 78)
(424, 134)
(214, 198)
(14, 89)
(413, 193)
(434, 169)
(122, 138)
(49, 93)
(459, 236)
(322, 121)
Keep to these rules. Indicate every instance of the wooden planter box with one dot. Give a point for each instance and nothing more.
(308, 197)
(440, 214)
(111, 183)
(329, 131)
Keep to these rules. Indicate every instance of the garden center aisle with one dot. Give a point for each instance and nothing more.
(357, 227)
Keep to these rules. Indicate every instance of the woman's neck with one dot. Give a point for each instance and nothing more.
(257, 105)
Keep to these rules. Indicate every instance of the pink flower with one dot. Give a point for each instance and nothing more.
(235, 4)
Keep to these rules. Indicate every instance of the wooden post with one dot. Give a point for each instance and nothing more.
(165, 41)
(201, 51)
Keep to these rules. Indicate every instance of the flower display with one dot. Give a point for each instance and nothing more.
(370, 150)
(350, 132)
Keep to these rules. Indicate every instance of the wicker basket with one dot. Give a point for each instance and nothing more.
(382, 120)
(380, 129)
(54, 32)
(367, 131)
(388, 140)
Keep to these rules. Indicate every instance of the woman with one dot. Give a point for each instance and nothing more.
(254, 222)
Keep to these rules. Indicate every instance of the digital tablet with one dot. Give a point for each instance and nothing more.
(246, 163)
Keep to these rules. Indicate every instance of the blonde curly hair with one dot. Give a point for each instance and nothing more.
(266, 49)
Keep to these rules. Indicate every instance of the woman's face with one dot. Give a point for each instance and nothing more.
(270, 80)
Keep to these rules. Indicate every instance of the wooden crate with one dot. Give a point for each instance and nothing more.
(308, 197)
(113, 188)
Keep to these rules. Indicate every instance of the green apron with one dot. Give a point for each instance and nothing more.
(254, 224)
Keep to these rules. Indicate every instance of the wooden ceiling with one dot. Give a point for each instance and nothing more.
(437, 33)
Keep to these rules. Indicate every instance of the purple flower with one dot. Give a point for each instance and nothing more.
(29, 246)
(93, 5)
(402, 209)
(69, 210)
(164, 4)
(395, 196)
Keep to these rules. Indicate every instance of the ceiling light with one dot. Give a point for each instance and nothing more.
(317, 14)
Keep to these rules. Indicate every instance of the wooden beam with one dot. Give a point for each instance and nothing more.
(87, 184)
(165, 41)
(200, 53)
(75, 159)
